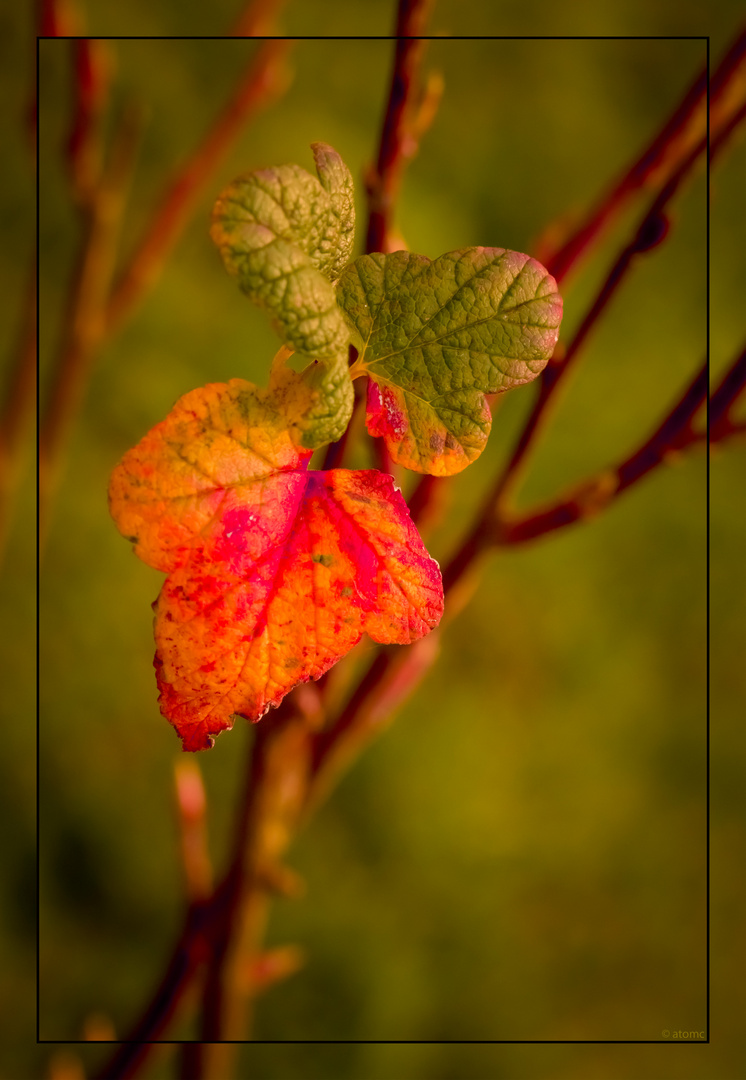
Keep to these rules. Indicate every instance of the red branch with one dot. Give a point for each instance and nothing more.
(264, 80)
(661, 149)
(403, 126)
(398, 143)
(724, 399)
(92, 71)
(391, 677)
(685, 126)
(206, 926)
(651, 231)
(675, 433)
(589, 498)
(56, 19)
(83, 324)
(16, 417)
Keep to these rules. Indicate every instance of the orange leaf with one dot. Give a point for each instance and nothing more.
(275, 572)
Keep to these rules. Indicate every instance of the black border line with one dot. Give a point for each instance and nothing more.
(376, 37)
(38, 574)
(708, 865)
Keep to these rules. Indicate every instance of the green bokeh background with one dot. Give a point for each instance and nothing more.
(522, 855)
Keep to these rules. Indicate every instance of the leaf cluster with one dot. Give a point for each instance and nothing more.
(275, 571)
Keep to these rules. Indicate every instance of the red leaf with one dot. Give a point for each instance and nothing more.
(275, 572)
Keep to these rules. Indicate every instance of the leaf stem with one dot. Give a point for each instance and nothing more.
(358, 369)
(279, 361)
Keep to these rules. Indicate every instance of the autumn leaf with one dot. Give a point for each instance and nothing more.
(435, 337)
(274, 571)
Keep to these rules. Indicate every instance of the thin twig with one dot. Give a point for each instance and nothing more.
(58, 18)
(279, 768)
(674, 434)
(399, 136)
(724, 399)
(221, 935)
(727, 83)
(404, 124)
(203, 927)
(94, 312)
(258, 19)
(427, 501)
(19, 393)
(651, 231)
(191, 807)
(264, 80)
(92, 65)
(84, 324)
(589, 498)
(685, 127)
(17, 414)
(687, 123)
(187, 958)
(394, 673)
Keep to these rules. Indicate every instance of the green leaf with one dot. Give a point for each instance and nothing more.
(286, 236)
(340, 235)
(317, 402)
(435, 337)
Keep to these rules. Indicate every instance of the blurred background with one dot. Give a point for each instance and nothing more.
(522, 855)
